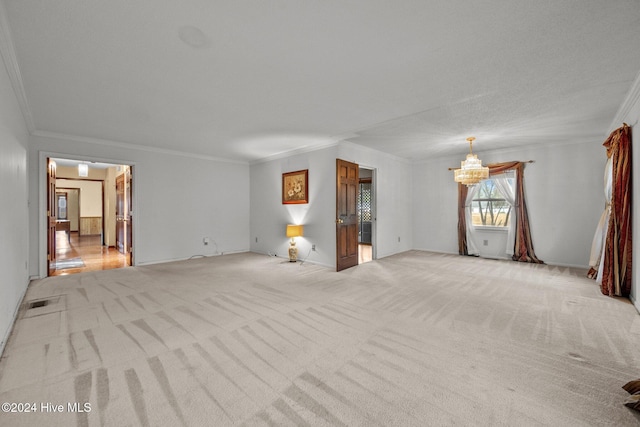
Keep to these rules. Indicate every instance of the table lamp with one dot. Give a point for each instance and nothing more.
(293, 231)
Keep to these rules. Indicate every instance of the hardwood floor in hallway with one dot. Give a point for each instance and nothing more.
(89, 250)
(365, 253)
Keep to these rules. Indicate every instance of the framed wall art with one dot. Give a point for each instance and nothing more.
(295, 187)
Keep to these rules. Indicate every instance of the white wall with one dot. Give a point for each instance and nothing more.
(630, 114)
(564, 198)
(269, 216)
(393, 197)
(435, 205)
(177, 200)
(14, 228)
(90, 195)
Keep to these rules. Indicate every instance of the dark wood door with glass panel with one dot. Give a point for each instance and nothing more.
(346, 214)
(127, 218)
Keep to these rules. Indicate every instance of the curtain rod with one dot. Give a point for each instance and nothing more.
(526, 161)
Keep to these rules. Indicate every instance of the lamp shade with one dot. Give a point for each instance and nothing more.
(294, 230)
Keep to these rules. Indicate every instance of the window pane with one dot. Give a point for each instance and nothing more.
(62, 206)
(489, 208)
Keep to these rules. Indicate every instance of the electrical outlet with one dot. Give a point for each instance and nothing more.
(485, 242)
(205, 240)
(256, 240)
(313, 247)
(398, 239)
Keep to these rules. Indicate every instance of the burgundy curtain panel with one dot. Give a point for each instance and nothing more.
(616, 270)
(523, 248)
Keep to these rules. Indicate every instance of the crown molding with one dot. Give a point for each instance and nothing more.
(633, 96)
(8, 53)
(390, 156)
(294, 152)
(504, 151)
(126, 145)
(338, 144)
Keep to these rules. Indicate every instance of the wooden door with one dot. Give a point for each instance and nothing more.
(120, 213)
(51, 217)
(346, 214)
(127, 218)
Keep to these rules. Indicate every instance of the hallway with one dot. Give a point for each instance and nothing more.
(78, 254)
(365, 253)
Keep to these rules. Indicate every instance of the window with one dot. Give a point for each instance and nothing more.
(62, 205)
(489, 207)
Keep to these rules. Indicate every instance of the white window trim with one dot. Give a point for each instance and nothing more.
(491, 228)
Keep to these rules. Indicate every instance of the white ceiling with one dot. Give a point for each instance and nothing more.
(74, 163)
(244, 80)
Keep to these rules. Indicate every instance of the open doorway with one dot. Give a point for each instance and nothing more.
(366, 215)
(90, 209)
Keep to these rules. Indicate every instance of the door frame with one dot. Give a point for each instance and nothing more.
(42, 201)
(374, 209)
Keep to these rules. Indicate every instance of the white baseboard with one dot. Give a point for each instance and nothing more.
(309, 261)
(162, 261)
(7, 333)
(635, 303)
(300, 261)
(557, 264)
(436, 251)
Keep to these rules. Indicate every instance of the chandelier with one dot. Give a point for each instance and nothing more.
(471, 170)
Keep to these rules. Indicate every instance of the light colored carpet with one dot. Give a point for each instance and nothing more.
(414, 339)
